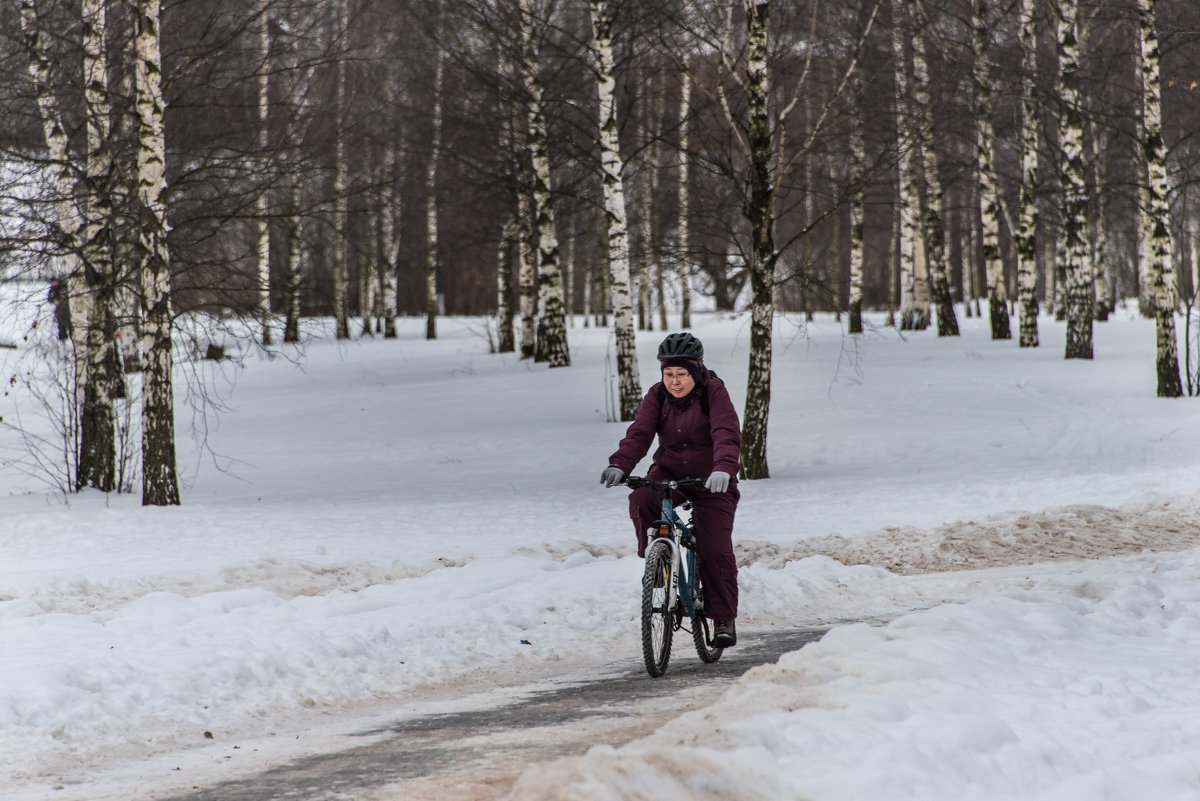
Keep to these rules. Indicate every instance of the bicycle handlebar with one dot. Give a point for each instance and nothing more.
(637, 482)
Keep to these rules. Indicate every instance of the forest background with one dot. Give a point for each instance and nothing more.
(206, 170)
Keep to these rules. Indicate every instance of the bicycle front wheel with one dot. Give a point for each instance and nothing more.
(702, 627)
(658, 622)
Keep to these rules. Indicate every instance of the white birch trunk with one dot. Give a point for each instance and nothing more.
(526, 271)
(893, 272)
(291, 268)
(656, 258)
(1098, 227)
(97, 447)
(1026, 238)
(589, 291)
(432, 306)
(989, 189)
(858, 188)
(1193, 251)
(913, 308)
(298, 84)
(1161, 266)
(683, 238)
(570, 276)
(526, 264)
(505, 261)
(1079, 286)
(651, 253)
(390, 239)
(160, 483)
(551, 343)
(368, 275)
(262, 245)
(808, 259)
(933, 221)
(642, 199)
(629, 379)
(759, 211)
(968, 264)
(341, 182)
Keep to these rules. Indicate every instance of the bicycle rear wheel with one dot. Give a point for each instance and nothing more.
(702, 627)
(658, 622)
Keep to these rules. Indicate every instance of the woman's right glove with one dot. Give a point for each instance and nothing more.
(611, 475)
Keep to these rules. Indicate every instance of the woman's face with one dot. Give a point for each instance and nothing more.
(678, 381)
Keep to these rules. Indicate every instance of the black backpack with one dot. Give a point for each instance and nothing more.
(662, 397)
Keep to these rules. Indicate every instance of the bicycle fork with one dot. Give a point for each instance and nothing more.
(678, 592)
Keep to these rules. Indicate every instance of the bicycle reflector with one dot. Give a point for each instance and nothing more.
(664, 528)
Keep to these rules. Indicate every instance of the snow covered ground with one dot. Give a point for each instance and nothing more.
(375, 520)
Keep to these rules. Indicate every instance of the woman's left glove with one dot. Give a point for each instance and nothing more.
(611, 475)
(717, 482)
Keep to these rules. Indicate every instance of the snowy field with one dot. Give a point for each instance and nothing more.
(366, 524)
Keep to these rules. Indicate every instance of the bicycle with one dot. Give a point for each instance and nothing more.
(671, 588)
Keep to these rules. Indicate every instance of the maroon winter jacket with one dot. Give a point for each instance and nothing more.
(690, 445)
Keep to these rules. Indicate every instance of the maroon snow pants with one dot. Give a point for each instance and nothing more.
(713, 515)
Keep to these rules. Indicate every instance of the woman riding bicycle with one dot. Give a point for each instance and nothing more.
(699, 436)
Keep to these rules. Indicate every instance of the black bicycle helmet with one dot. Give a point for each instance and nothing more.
(681, 346)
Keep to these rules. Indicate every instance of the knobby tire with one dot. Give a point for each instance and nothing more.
(658, 623)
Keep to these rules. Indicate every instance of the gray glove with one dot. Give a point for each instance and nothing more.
(612, 475)
(717, 482)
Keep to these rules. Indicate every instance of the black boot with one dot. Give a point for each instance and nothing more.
(724, 633)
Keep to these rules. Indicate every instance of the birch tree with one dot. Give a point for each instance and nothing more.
(551, 337)
(97, 446)
(431, 177)
(505, 263)
(761, 160)
(914, 313)
(1161, 267)
(262, 245)
(651, 252)
(931, 200)
(683, 231)
(389, 233)
(507, 260)
(160, 484)
(1025, 239)
(298, 81)
(526, 233)
(1098, 227)
(341, 178)
(760, 213)
(526, 252)
(644, 202)
(1079, 285)
(628, 378)
(858, 188)
(760, 136)
(291, 268)
(989, 189)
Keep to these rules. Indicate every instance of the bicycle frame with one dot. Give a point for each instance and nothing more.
(682, 543)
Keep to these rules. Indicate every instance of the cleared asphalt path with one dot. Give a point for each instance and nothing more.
(478, 754)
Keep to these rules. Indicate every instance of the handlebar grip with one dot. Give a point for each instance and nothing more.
(636, 482)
